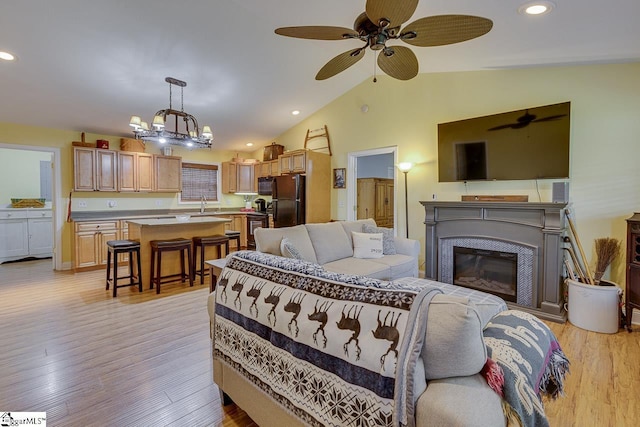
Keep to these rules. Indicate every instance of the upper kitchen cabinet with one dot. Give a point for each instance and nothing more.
(294, 161)
(168, 173)
(135, 171)
(94, 169)
(239, 177)
(268, 168)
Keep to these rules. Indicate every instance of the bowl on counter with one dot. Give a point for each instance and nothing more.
(183, 218)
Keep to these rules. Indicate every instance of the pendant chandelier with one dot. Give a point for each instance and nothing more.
(189, 135)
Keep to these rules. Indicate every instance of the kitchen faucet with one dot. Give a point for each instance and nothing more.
(203, 203)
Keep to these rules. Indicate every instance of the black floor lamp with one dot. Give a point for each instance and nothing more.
(405, 167)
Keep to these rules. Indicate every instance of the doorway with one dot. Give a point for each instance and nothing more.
(379, 164)
(54, 183)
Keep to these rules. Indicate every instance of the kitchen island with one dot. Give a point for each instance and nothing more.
(146, 230)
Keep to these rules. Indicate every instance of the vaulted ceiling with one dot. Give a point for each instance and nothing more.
(89, 65)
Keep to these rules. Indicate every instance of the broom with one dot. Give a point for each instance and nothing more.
(607, 249)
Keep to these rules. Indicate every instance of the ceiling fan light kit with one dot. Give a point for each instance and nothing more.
(382, 22)
(189, 135)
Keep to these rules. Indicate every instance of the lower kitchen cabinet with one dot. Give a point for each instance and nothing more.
(90, 242)
(25, 233)
(238, 223)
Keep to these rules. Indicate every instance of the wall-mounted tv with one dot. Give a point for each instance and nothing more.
(526, 144)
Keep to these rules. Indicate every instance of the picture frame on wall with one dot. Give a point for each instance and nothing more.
(340, 178)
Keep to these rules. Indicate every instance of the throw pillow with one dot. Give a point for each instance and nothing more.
(388, 242)
(454, 346)
(367, 245)
(288, 249)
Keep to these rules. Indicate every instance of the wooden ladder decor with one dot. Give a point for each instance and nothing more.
(322, 132)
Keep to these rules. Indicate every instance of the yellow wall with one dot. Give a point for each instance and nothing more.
(20, 174)
(605, 133)
(19, 135)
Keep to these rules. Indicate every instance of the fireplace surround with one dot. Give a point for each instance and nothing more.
(533, 232)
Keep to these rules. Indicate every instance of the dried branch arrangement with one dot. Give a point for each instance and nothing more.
(607, 249)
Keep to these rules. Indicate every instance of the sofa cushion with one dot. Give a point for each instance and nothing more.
(329, 241)
(441, 404)
(360, 267)
(454, 346)
(389, 246)
(399, 265)
(357, 225)
(367, 245)
(268, 240)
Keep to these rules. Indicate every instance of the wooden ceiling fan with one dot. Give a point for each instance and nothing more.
(382, 22)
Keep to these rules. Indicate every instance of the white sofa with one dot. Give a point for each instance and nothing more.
(286, 335)
(331, 245)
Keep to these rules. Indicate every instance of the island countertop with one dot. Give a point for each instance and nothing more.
(146, 230)
(157, 222)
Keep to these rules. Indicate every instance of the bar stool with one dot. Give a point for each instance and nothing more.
(233, 235)
(202, 242)
(116, 247)
(160, 246)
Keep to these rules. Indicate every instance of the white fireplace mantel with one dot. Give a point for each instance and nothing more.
(540, 226)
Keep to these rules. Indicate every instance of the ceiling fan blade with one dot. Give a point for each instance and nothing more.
(317, 32)
(396, 12)
(549, 118)
(340, 63)
(402, 65)
(445, 29)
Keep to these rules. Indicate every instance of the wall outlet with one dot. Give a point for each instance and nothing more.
(82, 204)
(112, 203)
(158, 203)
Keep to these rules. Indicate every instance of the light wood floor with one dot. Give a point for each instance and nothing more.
(70, 349)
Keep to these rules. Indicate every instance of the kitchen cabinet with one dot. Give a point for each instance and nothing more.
(239, 177)
(25, 233)
(294, 161)
(14, 235)
(268, 169)
(376, 200)
(238, 223)
(135, 172)
(40, 233)
(90, 240)
(167, 173)
(94, 169)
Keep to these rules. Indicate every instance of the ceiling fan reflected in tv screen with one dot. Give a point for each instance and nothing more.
(525, 144)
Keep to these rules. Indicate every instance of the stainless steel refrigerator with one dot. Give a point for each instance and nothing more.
(288, 200)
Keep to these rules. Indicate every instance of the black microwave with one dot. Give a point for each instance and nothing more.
(264, 186)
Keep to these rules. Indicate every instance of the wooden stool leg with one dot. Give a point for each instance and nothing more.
(158, 272)
(108, 267)
(190, 271)
(152, 272)
(201, 265)
(137, 252)
(182, 271)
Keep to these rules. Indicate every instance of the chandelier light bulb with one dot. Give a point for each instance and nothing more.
(135, 122)
(158, 122)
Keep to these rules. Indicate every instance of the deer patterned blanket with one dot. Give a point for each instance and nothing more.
(332, 349)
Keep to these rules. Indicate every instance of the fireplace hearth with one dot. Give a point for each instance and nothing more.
(510, 249)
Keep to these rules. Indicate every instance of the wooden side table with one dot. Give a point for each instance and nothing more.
(215, 268)
(632, 293)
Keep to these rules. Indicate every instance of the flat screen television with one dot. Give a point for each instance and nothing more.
(526, 144)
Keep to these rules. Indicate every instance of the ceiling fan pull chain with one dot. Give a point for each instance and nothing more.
(375, 68)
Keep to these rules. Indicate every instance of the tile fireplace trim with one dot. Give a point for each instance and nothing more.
(538, 225)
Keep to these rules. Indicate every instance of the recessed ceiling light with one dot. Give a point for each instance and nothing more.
(536, 8)
(295, 112)
(249, 144)
(6, 56)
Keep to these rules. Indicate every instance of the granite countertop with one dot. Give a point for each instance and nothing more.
(151, 213)
(154, 222)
